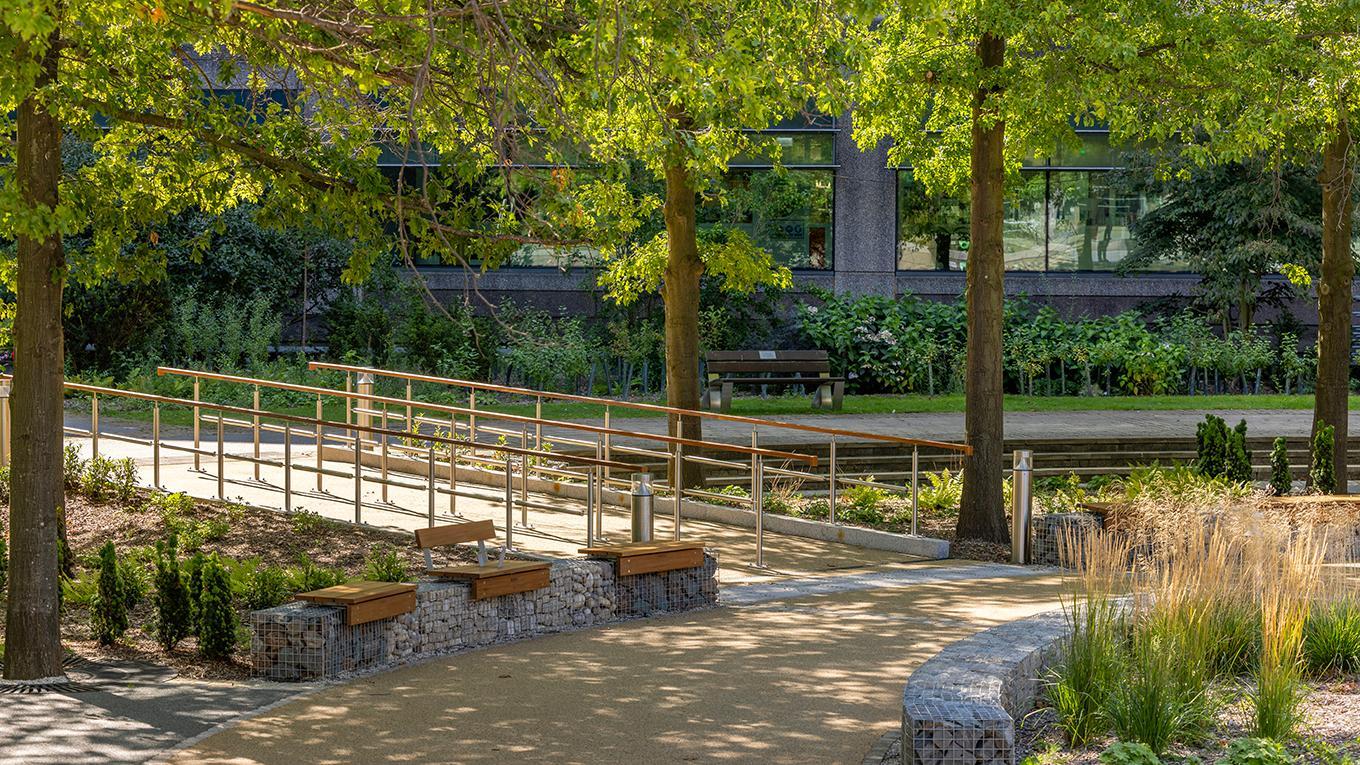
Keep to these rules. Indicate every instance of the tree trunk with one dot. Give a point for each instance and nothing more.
(1334, 296)
(680, 292)
(981, 515)
(33, 615)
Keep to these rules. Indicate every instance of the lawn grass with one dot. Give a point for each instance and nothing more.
(781, 406)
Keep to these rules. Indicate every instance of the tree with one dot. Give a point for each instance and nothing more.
(283, 113)
(1234, 223)
(966, 91)
(678, 90)
(1237, 80)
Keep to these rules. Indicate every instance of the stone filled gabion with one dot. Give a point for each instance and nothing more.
(305, 642)
(1051, 529)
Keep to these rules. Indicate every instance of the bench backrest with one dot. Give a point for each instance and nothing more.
(455, 533)
(724, 362)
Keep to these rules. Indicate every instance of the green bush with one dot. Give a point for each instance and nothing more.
(4, 484)
(1280, 479)
(1255, 751)
(194, 575)
(1331, 637)
(1129, 753)
(73, 467)
(308, 576)
(385, 564)
(174, 611)
(267, 587)
(109, 618)
(1322, 474)
(1212, 445)
(103, 477)
(942, 492)
(1238, 467)
(217, 618)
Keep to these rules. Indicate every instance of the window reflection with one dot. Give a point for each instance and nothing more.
(787, 213)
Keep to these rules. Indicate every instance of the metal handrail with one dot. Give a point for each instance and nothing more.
(530, 392)
(809, 459)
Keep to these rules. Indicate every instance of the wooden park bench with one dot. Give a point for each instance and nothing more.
(488, 580)
(366, 601)
(650, 557)
(808, 368)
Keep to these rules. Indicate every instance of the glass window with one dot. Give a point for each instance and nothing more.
(792, 149)
(787, 213)
(1025, 230)
(1094, 151)
(932, 230)
(1092, 220)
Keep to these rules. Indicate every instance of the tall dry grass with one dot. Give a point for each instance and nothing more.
(1214, 595)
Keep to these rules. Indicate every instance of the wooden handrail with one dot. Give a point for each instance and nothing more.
(312, 421)
(810, 459)
(451, 381)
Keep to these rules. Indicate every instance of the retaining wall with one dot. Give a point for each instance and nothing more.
(300, 641)
(960, 707)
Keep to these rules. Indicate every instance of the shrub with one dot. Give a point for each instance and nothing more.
(1331, 637)
(109, 617)
(4, 564)
(308, 576)
(73, 467)
(1322, 473)
(194, 571)
(173, 608)
(134, 581)
(304, 521)
(267, 587)
(216, 619)
(123, 479)
(1129, 753)
(1239, 459)
(385, 564)
(817, 510)
(4, 484)
(1211, 446)
(1255, 751)
(1280, 479)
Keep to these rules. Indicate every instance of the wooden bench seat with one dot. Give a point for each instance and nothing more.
(726, 369)
(366, 601)
(488, 580)
(650, 557)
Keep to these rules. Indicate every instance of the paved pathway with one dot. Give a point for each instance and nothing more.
(799, 672)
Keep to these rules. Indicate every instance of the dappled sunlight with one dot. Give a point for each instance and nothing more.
(803, 679)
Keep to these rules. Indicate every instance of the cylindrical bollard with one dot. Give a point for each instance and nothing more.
(1022, 504)
(642, 507)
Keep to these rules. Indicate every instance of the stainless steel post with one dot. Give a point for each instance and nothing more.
(198, 463)
(915, 485)
(599, 491)
(472, 418)
(320, 438)
(509, 506)
(679, 487)
(641, 500)
(349, 402)
(525, 466)
(1022, 503)
(94, 425)
(221, 461)
(453, 465)
(607, 454)
(383, 458)
(365, 389)
(408, 404)
(358, 480)
(156, 444)
(4, 422)
(831, 483)
(255, 431)
(430, 477)
(592, 476)
(758, 503)
(538, 426)
(287, 468)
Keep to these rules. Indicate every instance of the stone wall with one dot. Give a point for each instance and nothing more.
(300, 641)
(960, 707)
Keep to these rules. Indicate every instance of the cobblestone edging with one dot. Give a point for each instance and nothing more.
(299, 641)
(960, 707)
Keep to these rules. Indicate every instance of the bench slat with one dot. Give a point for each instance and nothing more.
(486, 572)
(509, 584)
(650, 563)
(768, 366)
(771, 380)
(353, 593)
(766, 356)
(455, 533)
(380, 608)
(638, 548)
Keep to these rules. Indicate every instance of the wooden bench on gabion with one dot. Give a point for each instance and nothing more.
(633, 558)
(366, 601)
(488, 580)
(808, 368)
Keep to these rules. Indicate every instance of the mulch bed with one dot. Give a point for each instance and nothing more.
(272, 537)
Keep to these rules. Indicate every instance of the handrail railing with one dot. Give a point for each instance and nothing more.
(316, 427)
(964, 449)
